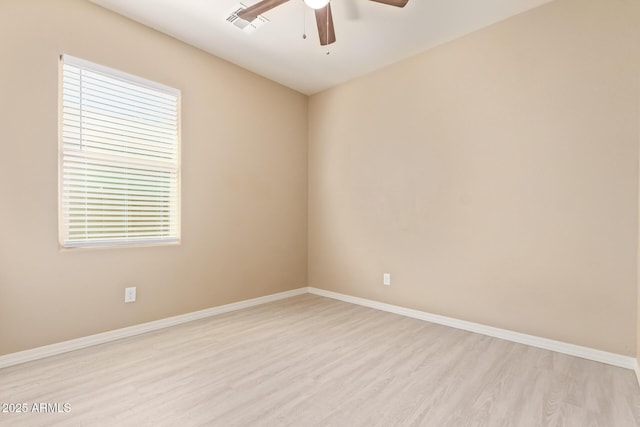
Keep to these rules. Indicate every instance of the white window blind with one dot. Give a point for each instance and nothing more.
(119, 158)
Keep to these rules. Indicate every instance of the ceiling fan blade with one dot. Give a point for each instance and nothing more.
(397, 3)
(324, 19)
(252, 12)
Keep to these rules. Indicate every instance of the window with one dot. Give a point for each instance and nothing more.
(119, 158)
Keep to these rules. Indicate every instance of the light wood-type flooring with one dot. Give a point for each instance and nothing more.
(312, 361)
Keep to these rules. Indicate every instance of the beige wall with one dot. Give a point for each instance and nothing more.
(243, 186)
(495, 177)
(638, 267)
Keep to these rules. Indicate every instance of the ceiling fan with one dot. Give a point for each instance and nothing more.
(324, 19)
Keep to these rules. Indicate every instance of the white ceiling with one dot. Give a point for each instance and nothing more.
(369, 35)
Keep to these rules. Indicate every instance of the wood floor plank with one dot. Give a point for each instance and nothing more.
(312, 361)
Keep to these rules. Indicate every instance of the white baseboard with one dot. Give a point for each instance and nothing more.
(558, 346)
(76, 344)
(547, 344)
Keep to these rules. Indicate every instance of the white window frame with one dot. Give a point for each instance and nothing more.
(121, 162)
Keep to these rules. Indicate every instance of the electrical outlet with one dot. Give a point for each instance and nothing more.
(130, 294)
(386, 279)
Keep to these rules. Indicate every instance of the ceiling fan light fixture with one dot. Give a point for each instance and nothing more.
(316, 4)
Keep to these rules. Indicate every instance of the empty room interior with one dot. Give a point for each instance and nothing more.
(310, 213)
